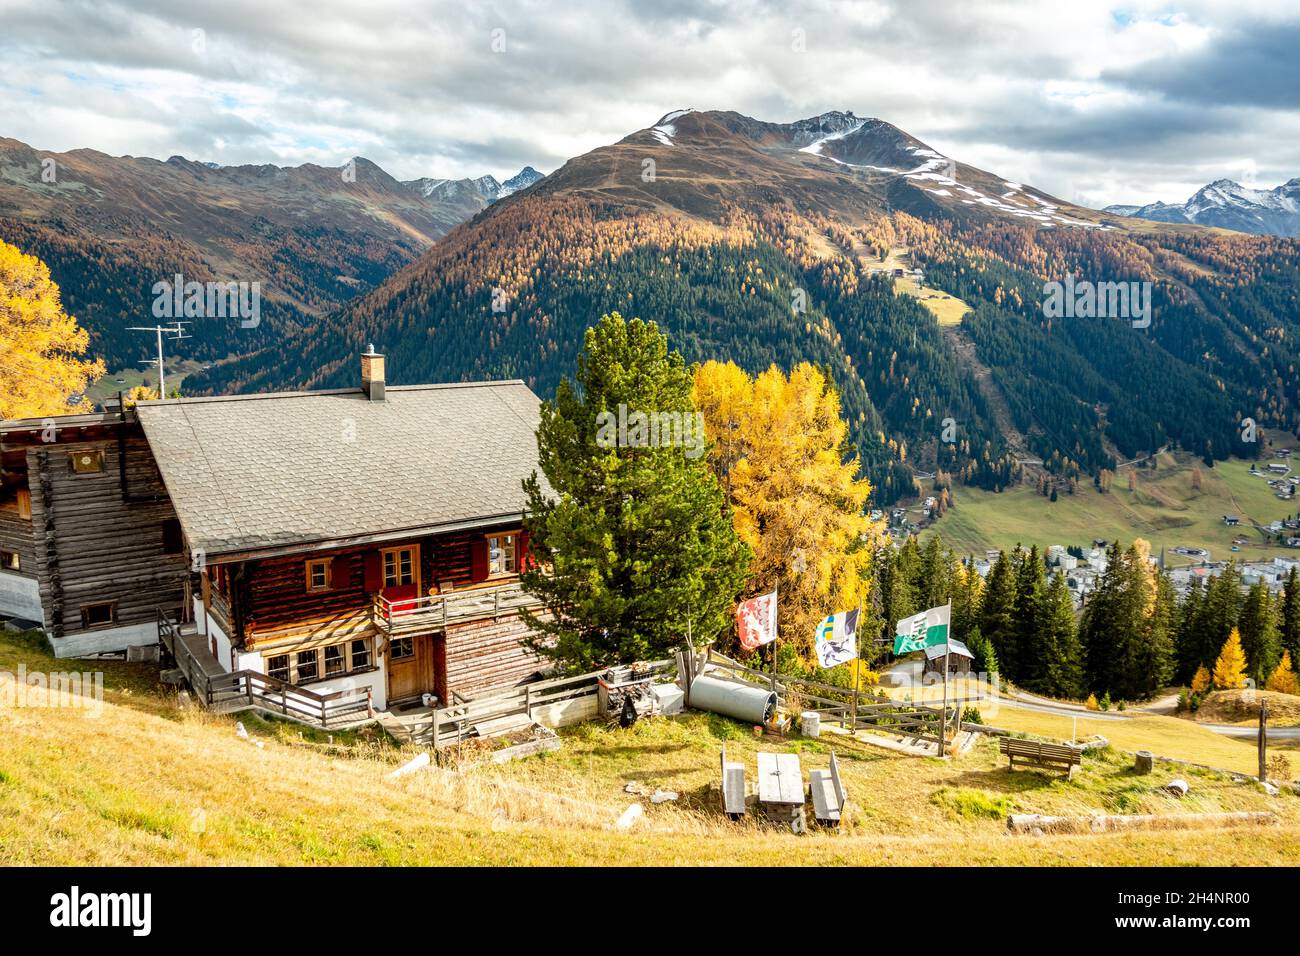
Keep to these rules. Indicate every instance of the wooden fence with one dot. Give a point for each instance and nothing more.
(252, 690)
(851, 709)
(553, 702)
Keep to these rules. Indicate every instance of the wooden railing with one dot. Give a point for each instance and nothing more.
(448, 725)
(245, 689)
(433, 611)
(858, 709)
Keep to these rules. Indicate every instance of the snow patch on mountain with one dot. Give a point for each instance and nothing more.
(815, 147)
(520, 180)
(486, 189)
(665, 130)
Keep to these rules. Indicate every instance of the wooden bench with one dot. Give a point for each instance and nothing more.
(1034, 753)
(827, 793)
(733, 787)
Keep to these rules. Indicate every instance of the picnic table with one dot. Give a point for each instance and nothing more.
(780, 788)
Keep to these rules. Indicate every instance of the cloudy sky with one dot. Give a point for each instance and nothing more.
(1095, 102)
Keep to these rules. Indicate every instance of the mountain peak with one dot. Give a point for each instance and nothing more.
(1230, 205)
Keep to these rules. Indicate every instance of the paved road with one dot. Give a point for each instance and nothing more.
(1274, 733)
(906, 670)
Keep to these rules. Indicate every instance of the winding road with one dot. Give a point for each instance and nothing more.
(909, 671)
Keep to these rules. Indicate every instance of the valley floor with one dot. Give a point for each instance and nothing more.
(153, 781)
(1166, 508)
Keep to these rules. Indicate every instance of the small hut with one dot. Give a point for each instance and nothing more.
(959, 658)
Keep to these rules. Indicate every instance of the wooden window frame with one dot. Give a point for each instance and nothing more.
(392, 648)
(10, 560)
(350, 665)
(311, 565)
(315, 656)
(97, 454)
(493, 574)
(414, 551)
(85, 615)
(352, 654)
(324, 663)
(288, 666)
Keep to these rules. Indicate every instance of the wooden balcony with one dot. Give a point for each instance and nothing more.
(435, 611)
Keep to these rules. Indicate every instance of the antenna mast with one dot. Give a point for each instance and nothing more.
(177, 332)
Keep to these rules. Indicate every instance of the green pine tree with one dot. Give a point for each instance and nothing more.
(1031, 609)
(1100, 623)
(1219, 614)
(1189, 660)
(1060, 642)
(997, 610)
(1289, 637)
(1259, 633)
(986, 659)
(638, 540)
(934, 574)
(897, 596)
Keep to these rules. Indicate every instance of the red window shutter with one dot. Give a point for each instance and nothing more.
(374, 572)
(478, 559)
(526, 562)
(338, 573)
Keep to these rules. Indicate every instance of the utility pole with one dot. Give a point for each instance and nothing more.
(177, 332)
(1263, 740)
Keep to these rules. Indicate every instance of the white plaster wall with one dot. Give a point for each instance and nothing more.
(20, 596)
(105, 640)
(225, 647)
(375, 680)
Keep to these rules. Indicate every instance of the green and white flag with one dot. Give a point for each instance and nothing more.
(923, 630)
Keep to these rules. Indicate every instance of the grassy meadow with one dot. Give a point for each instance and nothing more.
(1165, 509)
(152, 780)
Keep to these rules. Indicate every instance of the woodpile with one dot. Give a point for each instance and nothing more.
(1035, 824)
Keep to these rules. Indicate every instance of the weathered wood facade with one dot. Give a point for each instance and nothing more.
(86, 513)
(339, 602)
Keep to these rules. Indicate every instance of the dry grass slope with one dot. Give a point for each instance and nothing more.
(151, 781)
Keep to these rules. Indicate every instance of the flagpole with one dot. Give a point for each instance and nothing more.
(776, 627)
(857, 670)
(943, 714)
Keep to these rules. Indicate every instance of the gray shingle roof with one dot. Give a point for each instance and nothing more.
(247, 473)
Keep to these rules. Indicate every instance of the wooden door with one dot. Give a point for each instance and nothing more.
(410, 667)
(401, 577)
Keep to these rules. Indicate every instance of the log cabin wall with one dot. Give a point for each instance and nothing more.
(16, 535)
(281, 613)
(19, 587)
(487, 654)
(95, 548)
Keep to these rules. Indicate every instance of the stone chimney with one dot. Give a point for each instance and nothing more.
(372, 374)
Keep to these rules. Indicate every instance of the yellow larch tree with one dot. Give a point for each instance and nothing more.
(1230, 668)
(41, 343)
(1283, 679)
(776, 443)
(139, 393)
(1201, 680)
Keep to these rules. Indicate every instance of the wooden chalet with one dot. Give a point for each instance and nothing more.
(355, 543)
(362, 540)
(90, 547)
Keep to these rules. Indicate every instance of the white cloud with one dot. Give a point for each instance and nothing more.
(1086, 100)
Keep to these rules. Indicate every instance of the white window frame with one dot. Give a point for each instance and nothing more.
(509, 560)
(350, 665)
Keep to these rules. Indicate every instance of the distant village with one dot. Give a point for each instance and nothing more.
(1083, 567)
